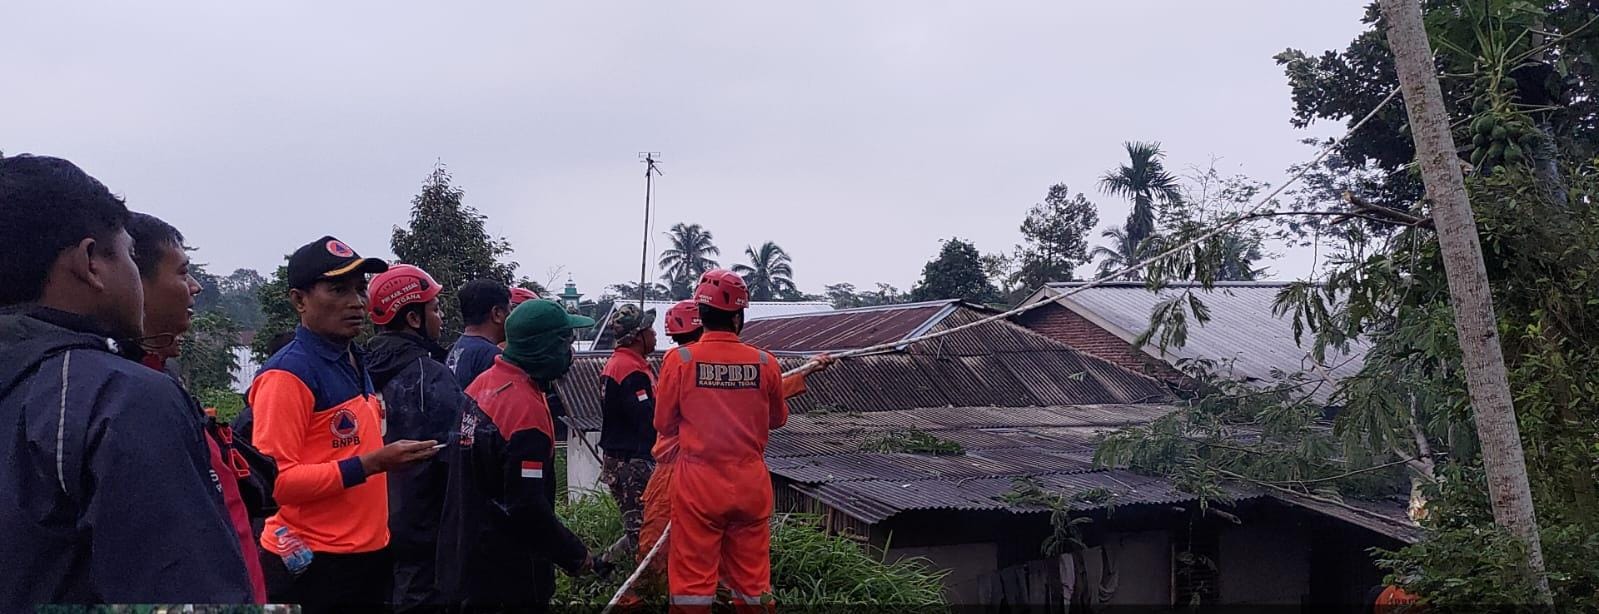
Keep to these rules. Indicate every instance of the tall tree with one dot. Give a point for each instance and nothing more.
(207, 361)
(770, 273)
(1145, 181)
(1055, 238)
(1120, 254)
(1487, 381)
(956, 273)
(1209, 199)
(687, 258)
(447, 239)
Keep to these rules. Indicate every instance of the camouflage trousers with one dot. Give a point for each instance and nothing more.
(627, 478)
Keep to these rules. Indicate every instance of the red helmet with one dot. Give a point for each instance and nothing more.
(722, 289)
(683, 318)
(392, 290)
(521, 295)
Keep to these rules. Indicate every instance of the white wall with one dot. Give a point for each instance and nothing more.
(582, 469)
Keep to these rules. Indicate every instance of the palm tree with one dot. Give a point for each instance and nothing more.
(1236, 260)
(1121, 253)
(1146, 182)
(688, 258)
(770, 273)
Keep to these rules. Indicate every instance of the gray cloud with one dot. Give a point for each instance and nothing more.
(855, 134)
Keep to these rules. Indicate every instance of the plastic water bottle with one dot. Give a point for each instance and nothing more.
(296, 555)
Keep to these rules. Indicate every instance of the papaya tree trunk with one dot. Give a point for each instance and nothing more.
(1487, 383)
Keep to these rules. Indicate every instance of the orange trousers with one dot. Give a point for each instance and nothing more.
(657, 513)
(721, 530)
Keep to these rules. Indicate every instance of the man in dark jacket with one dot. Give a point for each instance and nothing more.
(421, 402)
(500, 539)
(627, 433)
(106, 493)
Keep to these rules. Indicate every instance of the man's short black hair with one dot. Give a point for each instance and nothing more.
(688, 337)
(478, 299)
(46, 206)
(401, 321)
(150, 234)
(717, 319)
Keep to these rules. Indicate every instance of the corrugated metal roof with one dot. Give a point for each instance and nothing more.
(820, 456)
(843, 329)
(1242, 328)
(757, 309)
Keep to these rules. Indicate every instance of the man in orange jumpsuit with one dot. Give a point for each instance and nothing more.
(683, 326)
(721, 398)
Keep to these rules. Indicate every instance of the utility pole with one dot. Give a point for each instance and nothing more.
(1475, 325)
(650, 171)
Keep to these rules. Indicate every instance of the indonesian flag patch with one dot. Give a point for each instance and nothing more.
(532, 469)
(643, 395)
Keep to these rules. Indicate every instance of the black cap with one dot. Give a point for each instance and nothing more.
(326, 258)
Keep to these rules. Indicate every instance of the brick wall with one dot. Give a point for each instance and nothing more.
(1066, 326)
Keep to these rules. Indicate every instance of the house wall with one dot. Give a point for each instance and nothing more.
(967, 565)
(1142, 565)
(1066, 326)
(1264, 562)
(582, 469)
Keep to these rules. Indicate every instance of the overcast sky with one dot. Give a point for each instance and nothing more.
(854, 134)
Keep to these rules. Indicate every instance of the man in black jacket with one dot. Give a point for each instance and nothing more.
(627, 432)
(500, 539)
(421, 402)
(106, 495)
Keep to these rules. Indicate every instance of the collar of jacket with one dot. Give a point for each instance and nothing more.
(434, 350)
(322, 347)
(719, 335)
(77, 323)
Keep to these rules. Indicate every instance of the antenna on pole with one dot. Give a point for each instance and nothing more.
(649, 158)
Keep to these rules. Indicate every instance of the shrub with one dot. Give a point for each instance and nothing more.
(809, 567)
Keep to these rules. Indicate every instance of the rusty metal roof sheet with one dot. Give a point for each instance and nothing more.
(845, 328)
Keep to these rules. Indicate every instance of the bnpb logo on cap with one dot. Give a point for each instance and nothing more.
(338, 248)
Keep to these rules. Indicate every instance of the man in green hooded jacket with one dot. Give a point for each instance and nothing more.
(499, 538)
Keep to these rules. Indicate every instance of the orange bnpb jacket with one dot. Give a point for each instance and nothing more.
(315, 414)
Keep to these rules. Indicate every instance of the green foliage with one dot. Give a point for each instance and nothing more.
(957, 273)
(845, 296)
(447, 239)
(1409, 403)
(229, 404)
(207, 359)
(276, 310)
(1120, 254)
(1501, 59)
(913, 441)
(687, 258)
(770, 273)
(809, 567)
(1055, 238)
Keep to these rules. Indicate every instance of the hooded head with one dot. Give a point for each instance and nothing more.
(538, 339)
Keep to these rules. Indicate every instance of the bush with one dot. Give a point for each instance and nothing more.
(809, 567)
(227, 402)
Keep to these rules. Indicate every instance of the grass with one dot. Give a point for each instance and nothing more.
(913, 441)
(809, 567)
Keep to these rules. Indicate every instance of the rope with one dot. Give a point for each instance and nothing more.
(812, 364)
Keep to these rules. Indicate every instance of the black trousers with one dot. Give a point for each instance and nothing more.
(333, 582)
